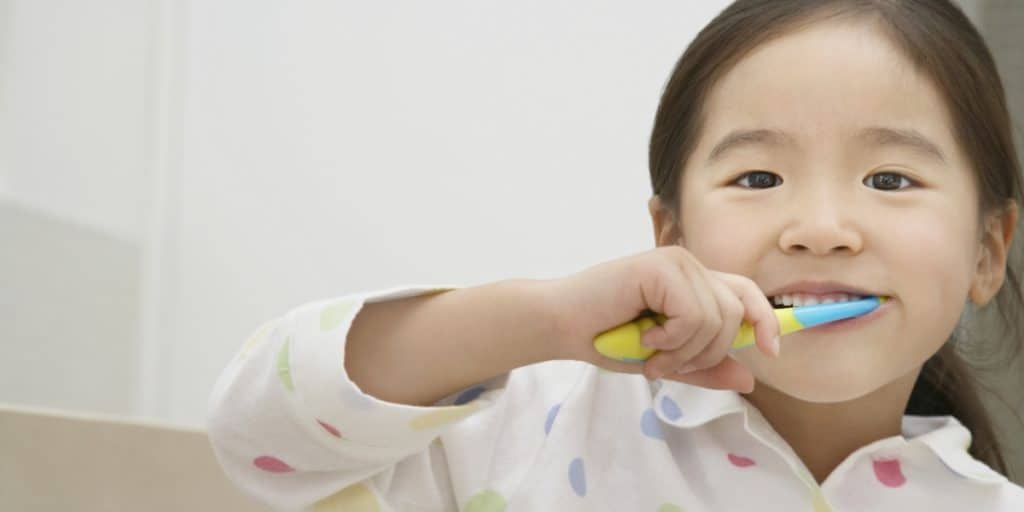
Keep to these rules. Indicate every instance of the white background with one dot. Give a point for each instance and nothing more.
(172, 174)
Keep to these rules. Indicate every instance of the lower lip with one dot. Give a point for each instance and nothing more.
(853, 323)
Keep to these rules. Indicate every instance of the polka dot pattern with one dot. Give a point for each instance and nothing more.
(578, 477)
(650, 425)
(272, 464)
(740, 461)
(487, 500)
(440, 417)
(889, 473)
(258, 337)
(552, 414)
(818, 501)
(652, 420)
(284, 370)
(670, 408)
(330, 429)
(334, 314)
(354, 498)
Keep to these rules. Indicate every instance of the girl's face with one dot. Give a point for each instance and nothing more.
(860, 181)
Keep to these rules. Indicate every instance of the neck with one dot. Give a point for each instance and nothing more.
(825, 434)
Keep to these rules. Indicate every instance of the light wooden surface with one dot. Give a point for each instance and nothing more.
(58, 461)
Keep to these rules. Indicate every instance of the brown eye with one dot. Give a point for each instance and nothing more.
(888, 180)
(759, 179)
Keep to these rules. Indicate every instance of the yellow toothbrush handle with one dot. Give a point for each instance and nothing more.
(623, 342)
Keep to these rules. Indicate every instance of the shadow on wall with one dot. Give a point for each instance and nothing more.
(68, 314)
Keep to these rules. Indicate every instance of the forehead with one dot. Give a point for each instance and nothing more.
(826, 83)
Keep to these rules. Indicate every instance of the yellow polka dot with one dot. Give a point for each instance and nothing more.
(819, 502)
(486, 501)
(440, 417)
(669, 507)
(354, 498)
(258, 337)
(284, 369)
(333, 314)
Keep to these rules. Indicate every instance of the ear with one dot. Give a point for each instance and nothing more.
(666, 228)
(990, 269)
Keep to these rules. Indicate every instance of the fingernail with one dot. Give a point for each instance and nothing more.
(776, 346)
(686, 368)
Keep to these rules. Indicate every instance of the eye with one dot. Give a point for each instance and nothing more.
(889, 180)
(758, 179)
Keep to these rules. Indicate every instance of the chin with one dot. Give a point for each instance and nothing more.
(823, 387)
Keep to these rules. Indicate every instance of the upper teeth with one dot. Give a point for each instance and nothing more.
(806, 299)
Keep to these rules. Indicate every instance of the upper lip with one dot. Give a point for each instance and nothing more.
(821, 288)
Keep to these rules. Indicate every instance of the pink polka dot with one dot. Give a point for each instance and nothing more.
(272, 464)
(739, 461)
(889, 473)
(334, 432)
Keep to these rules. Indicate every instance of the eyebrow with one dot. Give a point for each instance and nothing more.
(875, 135)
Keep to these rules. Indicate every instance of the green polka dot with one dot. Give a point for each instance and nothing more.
(256, 339)
(441, 416)
(284, 369)
(668, 507)
(818, 501)
(333, 314)
(486, 501)
(354, 498)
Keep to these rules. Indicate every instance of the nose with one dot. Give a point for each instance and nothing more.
(821, 226)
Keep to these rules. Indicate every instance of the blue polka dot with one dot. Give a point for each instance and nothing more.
(577, 477)
(552, 413)
(650, 425)
(469, 395)
(670, 408)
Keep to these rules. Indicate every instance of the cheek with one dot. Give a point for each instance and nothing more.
(720, 237)
(930, 255)
(930, 264)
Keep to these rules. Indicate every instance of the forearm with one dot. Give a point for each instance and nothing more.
(418, 350)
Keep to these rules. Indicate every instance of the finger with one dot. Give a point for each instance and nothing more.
(688, 339)
(681, 304)
(732, 315)
(728, 374)
(756, 310)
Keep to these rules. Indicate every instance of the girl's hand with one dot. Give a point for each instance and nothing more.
(704, 310)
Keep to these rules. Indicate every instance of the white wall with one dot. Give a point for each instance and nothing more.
(74, 174)
(73, 85)
(330, 147)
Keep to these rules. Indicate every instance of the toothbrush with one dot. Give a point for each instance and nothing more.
(623, 342)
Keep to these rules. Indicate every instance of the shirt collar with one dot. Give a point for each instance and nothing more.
(687, 406)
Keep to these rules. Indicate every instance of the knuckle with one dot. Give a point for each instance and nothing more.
(734, 306)
(688, 351)
(710, 356)
(714, 323)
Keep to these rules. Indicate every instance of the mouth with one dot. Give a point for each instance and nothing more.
(810, 299)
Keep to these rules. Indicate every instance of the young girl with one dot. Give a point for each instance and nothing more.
(802, 151)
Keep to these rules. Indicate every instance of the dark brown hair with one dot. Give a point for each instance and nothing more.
(945, 47)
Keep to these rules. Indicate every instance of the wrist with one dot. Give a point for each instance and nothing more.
(552, 319)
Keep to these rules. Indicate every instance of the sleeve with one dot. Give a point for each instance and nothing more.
(290, 428)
